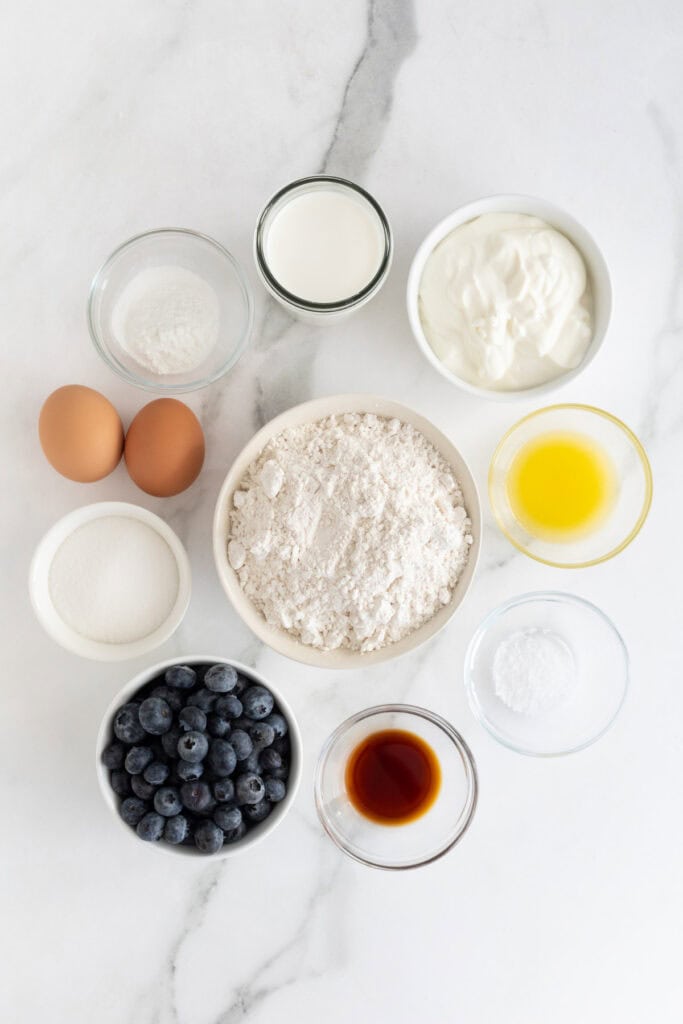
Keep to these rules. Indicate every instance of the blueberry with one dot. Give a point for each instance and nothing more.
(169, 742)
(176, 829)
(145, 790)
(156, 716)
(172, 697)
(150, 827)
(188, 772)
(193, 747)
(251, 763)
(127, 727)
(279, 723)
(279, 773)
(156, 773)
(207, 812)
(262, 735)
(221, 678)
(227, 818)
(113, 756)
(132, 810)
(137, 760)
(258, 702)
(222, 758)
(208, 838)
(237, 833)
(249, 789)
(270, 760)
(275, 789)
(196, 796)
(203, 699)
(120, 782)
(192, 719)
(217, 726)
(181, 677)
(241, 685)
(167, 801)
(243, 723)
(258, 812)
(281, 744)
(229, 707)
(224, 790)
(241, 743)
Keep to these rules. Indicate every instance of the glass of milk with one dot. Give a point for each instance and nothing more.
(322, 247)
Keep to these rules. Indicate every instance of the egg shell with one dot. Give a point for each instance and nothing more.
(164, 448)
(80, 433)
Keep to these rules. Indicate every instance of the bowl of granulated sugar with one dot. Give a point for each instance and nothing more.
(110, 581)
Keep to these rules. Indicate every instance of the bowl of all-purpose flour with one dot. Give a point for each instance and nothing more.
(347, 531)
(170, 311)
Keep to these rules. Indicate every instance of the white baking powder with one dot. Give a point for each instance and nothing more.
(167, 318)
(534, 671)
(114, 580)
(349, 532)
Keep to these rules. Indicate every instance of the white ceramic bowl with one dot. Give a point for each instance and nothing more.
(309, 412)
(558, 218)
(256, 832)
(46, 612)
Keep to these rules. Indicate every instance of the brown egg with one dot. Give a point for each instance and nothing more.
(164, 449)
(81, 433)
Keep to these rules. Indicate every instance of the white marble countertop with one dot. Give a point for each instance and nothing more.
(564, 903)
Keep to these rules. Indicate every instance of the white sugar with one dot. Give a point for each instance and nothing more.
(534, 671)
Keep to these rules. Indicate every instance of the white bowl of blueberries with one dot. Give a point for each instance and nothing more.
(199, 756)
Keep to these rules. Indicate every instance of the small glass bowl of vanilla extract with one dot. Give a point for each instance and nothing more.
(395, 786)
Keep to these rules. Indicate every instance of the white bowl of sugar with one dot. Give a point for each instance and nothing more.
(110, 581)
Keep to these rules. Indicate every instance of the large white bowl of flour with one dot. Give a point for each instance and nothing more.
(345, 534)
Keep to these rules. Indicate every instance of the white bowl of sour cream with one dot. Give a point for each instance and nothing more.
(509, 297)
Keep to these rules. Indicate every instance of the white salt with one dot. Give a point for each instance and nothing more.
(534, 671)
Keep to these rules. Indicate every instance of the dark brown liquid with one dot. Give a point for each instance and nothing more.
(392, 777)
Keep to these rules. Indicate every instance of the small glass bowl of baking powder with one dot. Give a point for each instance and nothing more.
(170, 311)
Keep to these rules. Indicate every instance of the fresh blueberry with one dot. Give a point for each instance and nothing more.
(262, 735)
(241, 685)
(251, 763)
(237, 833)
(189, 772)
(169, 742)
(258, 702)
(208, 838)
(167, 801)
(222, 758)
(181, 677)
(176, 829)
(141, 787)
(243, 723)
(113, 756)
(192, 718)
(221, 678)
(281, 744)
(217, 726)
(280, 773)
(249, 789)
(193, 747)
(224, 790)
(137, 760)
(156, 773)
(132, 810)
(227, 818)
(270, 760)
(150, 827)
(156, 716)
(127, 727)
(229, 706)
(279, 723)
(172, 697)
(196, 796)
(120, 782)
(275, 789)
(203, 699)
(241, 743)
(257, 812)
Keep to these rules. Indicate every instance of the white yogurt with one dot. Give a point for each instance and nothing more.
(505, 302)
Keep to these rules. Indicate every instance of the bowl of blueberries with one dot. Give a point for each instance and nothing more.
(199, 756)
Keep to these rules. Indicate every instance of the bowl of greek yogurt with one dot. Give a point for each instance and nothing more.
(509, 297)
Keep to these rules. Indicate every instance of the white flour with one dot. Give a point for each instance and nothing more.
(166, 318)
(349, 532)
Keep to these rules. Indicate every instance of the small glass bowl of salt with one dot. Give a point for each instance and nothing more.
(170, 311)
(546, 673)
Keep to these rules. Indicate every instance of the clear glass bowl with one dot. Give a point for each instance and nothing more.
(601, 674)
(417, 842)
(633, 496)
(192, 251)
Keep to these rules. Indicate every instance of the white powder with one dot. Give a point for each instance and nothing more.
(533, 671)
(114, 580)
(349, 532)
(167, 318)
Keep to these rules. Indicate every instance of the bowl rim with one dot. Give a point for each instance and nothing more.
(257, 832)
(150, 385)
(310, 411)
(47, 614)
(471, 775)
(640, 452)
(577, 234)
(559, 597)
